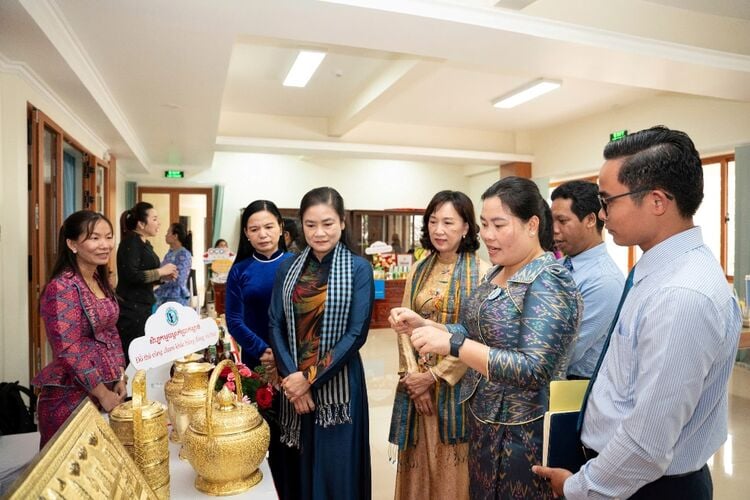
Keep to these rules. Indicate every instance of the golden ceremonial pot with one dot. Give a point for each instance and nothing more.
(227, 443)
(141, 426)
(191, 399)
(172, 390)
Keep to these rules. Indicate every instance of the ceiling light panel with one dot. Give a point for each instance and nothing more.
(526, 93)
(304, 68)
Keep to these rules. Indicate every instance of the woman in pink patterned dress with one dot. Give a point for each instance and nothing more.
(80, 314)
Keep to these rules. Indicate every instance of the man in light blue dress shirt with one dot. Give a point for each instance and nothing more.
(658, 407)
(578, 234)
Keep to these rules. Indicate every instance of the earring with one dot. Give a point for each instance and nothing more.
(75, 251)
(532, 233)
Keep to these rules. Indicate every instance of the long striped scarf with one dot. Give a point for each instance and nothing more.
(451, 417)
(332, 399)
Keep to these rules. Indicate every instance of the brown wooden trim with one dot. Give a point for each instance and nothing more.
(174, 203)
(38, 123)
(517, 168)
(723, 161)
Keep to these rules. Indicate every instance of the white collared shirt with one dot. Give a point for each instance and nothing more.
(659, 405)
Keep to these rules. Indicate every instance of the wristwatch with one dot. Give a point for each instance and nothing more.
(457, 340)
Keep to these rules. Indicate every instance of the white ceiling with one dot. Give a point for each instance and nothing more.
(169, 83)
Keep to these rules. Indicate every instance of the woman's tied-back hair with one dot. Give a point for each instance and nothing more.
(130, 218)
(244, 248)
(327, 196)
(183, 236)
(522, 197)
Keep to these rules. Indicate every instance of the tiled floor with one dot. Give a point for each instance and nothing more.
(730, 466)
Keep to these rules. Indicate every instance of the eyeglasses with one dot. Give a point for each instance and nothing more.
(604, 201)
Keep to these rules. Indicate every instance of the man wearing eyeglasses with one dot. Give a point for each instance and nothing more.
(657, 408)
(578, 234)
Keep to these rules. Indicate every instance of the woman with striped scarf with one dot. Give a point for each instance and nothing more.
(428, 421)
(319, 318)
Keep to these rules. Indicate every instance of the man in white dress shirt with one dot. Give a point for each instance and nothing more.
(657, 410)
(578, 234)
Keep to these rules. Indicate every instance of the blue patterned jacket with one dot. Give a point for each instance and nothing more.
(530, 327)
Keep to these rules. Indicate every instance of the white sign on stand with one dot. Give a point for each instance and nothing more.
(172, 332)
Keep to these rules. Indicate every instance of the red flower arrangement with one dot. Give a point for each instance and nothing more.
(255, 386)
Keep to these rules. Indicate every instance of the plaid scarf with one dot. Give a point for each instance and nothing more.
(332, 399)
(450, 413)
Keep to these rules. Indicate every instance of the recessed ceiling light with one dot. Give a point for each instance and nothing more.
(303, 68)
(526, 93)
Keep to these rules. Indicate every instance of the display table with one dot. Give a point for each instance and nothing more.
(182, 480)
(18, 449)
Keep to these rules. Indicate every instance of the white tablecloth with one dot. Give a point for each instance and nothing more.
(19, 449)
(182, 480)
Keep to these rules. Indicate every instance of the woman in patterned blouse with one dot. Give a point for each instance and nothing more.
(428, 422)
(80, 312)
(515, 334)
(179, 254)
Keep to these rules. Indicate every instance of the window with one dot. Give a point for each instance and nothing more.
(715, 216)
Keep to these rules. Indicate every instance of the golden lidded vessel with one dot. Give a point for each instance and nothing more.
(141, 426)
(172, 390)
(228, 441)
(192, 397)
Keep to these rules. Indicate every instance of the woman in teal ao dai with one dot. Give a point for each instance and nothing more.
(515, 334)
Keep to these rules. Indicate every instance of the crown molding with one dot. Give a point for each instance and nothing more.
(23, 71)
(51, 21)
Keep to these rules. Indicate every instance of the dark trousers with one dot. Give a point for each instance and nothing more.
(132, 323)
(693, 486)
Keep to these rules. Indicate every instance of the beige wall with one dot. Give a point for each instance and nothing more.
(575, 148)
(563, 151)
(15, 92)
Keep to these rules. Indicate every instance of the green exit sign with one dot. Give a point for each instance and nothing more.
(617, 135)
(174, 174)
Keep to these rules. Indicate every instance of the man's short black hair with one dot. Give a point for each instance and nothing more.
(584, 199)
(660, 158)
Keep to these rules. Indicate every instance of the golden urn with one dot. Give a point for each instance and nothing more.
(192, 397)
(172, 390)
(227, 443)
(141, 426)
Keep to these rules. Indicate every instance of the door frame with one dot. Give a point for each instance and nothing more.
(174, 202)
(37, 122)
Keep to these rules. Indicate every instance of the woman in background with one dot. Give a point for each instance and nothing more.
(515, 334)
(319, 318)
(80, 313)
(221, 243)
(291, 235)
(428, 421)
(248, 294)
(138, 270)
(179, 242)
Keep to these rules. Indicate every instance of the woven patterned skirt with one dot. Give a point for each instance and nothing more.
(54, 406)
(500, 460)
